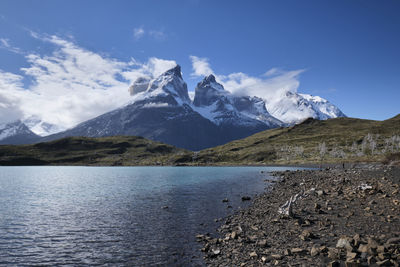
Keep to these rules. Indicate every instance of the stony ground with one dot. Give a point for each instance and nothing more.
(345, 217)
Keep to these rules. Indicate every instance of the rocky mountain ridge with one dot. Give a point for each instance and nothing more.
(160, 109)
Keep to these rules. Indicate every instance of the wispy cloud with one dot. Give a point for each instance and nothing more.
(71, 84)
(272, 72)
(141, 32)
(272, 83)
(5, 44)
(158, 35)
(138, 33)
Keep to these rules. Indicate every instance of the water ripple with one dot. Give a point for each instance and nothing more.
(114, 216)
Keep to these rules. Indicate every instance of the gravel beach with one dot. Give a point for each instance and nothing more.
(338, 217)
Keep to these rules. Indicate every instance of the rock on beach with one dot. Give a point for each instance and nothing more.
(347, 217)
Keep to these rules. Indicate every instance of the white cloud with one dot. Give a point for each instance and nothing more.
(152, 68)
(138, 33)
(10, 93)
(273, 83)
(10, 81)
(200, 66)
(71, 84)
(156, 66)
(264, 87)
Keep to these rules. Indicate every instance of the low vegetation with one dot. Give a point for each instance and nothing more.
(106, 151)
(310, 142)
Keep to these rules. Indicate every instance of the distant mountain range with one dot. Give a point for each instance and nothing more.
(160, 109)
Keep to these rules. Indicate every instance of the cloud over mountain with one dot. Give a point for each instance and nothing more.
(70, 85)
(272, 84)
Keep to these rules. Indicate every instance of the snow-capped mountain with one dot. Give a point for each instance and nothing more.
(160, 109)
(292, 108)
(169, 88)
(16, 133)
(213, 102)
(323, 107)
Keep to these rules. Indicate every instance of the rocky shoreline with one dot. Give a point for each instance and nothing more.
(338, 217)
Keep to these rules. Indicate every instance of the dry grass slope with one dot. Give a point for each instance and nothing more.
(313, 141)
(310, 142)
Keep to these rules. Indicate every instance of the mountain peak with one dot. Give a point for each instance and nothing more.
(210, 79)
(168, 88)
(208, 91)
(16, 133)
(174, 71)
(210, 82)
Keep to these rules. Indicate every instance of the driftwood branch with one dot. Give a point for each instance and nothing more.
(287, 208)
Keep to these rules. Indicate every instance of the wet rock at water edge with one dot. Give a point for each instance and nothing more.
(246, 198)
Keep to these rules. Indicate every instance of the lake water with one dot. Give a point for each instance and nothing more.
(116, 215)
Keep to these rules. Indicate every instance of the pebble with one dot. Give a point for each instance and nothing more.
(341, 224)
(253, 254)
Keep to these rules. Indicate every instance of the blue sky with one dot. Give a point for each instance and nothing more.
(345, 51)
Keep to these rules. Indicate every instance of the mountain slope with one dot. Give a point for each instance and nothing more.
(177, 125)
(313, 141)
(160, 110)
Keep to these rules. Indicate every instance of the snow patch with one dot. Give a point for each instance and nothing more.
(207, 112)
(191, 95)
(155, 105)
(7, 132)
